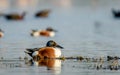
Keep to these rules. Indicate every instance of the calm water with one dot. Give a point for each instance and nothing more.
(85, 27)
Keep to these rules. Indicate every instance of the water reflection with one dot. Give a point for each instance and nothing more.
(52, 64)
(112, 63)
(97, 27)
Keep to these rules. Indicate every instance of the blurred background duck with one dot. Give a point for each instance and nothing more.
(14, 16)
(116, 13)
(42, 13)
(51, 50)
(1, 33)
(48, 32)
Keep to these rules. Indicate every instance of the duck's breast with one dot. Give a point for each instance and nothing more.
(57, 52)
(36, 33)
(52, 34)
(48, 52)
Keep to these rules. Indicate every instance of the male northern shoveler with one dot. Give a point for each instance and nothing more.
(42, 13)
(49, 32)
(1, 33)
(14, 16)
(52, 50)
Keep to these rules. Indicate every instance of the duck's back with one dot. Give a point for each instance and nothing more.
(44, 33)
(14, 17)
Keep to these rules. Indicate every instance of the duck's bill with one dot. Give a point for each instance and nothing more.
(59, 46)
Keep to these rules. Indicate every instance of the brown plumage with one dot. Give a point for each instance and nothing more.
(46, 62)
(1, 33)
(14, 16)
(42, 13)
(51, 64)
(45, 33)
(47, 52)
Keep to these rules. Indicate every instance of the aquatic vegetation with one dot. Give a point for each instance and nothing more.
(100, 63)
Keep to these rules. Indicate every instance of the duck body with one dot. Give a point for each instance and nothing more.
(52, 50)
(43, 33)
(42, 13)
(14, 16)
(49, 32)
(116, 13)
(48, 52)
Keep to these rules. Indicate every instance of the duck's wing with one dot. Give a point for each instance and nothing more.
(30, 51)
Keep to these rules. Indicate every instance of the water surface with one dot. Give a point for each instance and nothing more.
(85, 28)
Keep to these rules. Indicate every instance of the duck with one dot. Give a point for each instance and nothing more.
(48, 32)
(116, 13)
(51, 50)
(42, 13)
(14, 16)
(1, 33)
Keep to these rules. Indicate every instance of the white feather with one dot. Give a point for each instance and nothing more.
(57, 52)
(52, 34)
(36, 34)
(35, 53)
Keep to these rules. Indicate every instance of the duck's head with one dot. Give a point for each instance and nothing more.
(52, 43)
